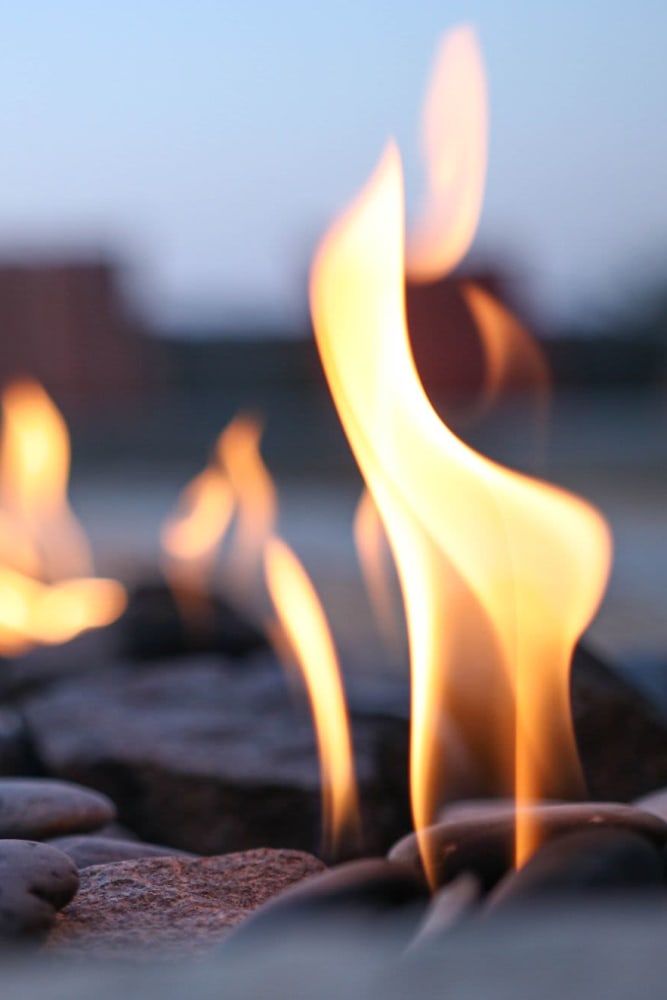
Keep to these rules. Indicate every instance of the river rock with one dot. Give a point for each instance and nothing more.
(172, 906)
(209, 758)
(94, 850)
(485, 845)
(371, 893)
(37, 808)
(36, 880)
(576, 864)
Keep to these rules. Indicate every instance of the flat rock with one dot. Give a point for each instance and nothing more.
(172, 906)
(94, 850)
(37, 808)
(36, 880)
(208, 757)
(484, 845)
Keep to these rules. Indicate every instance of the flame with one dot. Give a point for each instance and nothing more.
(46, 592)
(525, 561)
(454, 138)
(190, 538)
(305, 625)
(34, 470)
(373, 552)
(255, 495)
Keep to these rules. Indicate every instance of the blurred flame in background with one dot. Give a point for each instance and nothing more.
(237, 485)
(309, 639)
(531, 560)
(46, 593)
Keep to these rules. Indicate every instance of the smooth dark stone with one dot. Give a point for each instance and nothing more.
(603, 860)
(206, 757)
(36, 881)
(484, 845)
(154, 626)
(621, 735)
(88, 851)
(37, 808)
(355, 893)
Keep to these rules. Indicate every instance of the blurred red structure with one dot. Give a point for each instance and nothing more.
(69, 325)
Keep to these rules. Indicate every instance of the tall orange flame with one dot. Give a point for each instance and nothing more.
(301, 616)
(532, 559)
(46, 593)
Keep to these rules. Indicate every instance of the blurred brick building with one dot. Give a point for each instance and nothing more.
(70, 325)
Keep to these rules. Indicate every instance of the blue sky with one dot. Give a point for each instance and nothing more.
(209, 143)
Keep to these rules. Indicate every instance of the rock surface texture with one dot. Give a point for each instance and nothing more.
(172, 906)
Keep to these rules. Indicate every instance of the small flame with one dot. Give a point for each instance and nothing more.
(532, 559)
(239, 454)
(454, 137)
(34, 470)
(46, 592)
(305, 626)
(191, 537)
(373, 551)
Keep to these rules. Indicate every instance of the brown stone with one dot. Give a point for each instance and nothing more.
(172, 906)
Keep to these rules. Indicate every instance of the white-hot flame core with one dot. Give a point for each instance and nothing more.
(534, 557)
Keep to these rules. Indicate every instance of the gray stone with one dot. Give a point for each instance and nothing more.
(572, 866)
(484, 845)
(211, 758)
(450, 904)
(37, 808)
(15, 754)
(372, 892)
(36, 880)
(655, 803)
(94, 850)
(171, 906)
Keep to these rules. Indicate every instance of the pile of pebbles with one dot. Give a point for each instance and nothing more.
(74, 883)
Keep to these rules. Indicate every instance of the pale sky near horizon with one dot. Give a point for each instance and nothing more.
(209, 143)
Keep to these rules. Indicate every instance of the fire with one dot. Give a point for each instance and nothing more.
(237, 485)
(307, 632)
(47, 594)
(191, 537)
(490, 561)
(454, 139)
(234, 486)
(239, 453)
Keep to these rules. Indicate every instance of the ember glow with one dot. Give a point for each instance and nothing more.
(481, 551)
(47, 593)
(307, 632)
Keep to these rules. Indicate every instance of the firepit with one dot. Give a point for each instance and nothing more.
(188, 771)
